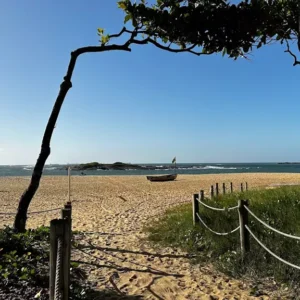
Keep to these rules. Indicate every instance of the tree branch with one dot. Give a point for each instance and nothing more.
(118, 34)
(288, 50)
(91, 49)
(168, 48)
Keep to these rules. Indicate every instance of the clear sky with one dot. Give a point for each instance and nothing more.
(143, 106)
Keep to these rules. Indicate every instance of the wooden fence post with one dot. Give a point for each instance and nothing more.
(201, 195)
(217, 189)
(56, 231)
(242, 187)
(246, 186)
(212, 191)
(244, 234)
(224, 188)
(66, 214)
(195, 209)
(231, 187)
(69, 184)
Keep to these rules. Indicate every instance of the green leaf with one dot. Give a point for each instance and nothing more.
(24, 277)
(127, 18)
(164, 39)
(100, 31)
(105, 39)
(74, 264)
(122, 5)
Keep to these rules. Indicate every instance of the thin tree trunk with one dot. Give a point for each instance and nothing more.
(21, 216)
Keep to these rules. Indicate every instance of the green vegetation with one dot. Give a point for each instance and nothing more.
(214, 26)
(279, 208)
(24, 267)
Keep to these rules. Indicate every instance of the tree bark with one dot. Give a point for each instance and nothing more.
(21, 216)
(24, 202)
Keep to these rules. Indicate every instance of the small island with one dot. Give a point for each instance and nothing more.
(115, 166)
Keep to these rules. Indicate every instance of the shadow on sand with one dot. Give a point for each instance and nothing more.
(109, 295)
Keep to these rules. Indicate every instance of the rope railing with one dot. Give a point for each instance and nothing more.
(215, 232)
(58, 273)
(197, 218)
(270, 227)
(269, 251)
(7, 214)
(216, 208)
(30, 213)
(245, 231)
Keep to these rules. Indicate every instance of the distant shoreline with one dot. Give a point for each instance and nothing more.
(288, 163)
(118, 168)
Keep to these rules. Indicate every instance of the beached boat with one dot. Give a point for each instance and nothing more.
(169, 177)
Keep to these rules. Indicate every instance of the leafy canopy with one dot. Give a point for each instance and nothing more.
(216, 26)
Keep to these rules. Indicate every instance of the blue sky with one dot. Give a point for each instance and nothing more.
(143, 106)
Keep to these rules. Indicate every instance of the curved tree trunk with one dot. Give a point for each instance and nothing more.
(21, 216)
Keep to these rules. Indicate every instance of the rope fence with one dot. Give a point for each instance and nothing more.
(30, 213)
(57, 291)
(270, 252)
(216, 208)
(217, 233)
(272, 228)
(245, 231)
(60, 247)
(215, 191)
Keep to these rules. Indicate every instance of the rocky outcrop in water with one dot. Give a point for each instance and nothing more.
(115, 166)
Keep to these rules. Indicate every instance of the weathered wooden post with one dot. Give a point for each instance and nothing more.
(217, 189)
(66, 214)
(231, 187)
(246, 186)
(195, 209)
(201, 195)
(244, 234)
(69, 184)
(224, 188)
(242, 187)
(56, 232)
(212, 191)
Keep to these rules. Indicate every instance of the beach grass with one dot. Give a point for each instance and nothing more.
(279, 207)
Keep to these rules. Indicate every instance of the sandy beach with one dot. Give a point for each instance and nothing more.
(113, 210)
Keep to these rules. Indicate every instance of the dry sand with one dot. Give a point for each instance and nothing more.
(114, 210)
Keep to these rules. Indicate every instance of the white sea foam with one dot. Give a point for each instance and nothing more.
(219, 168)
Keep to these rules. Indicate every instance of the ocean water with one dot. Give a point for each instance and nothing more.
(190, 168)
